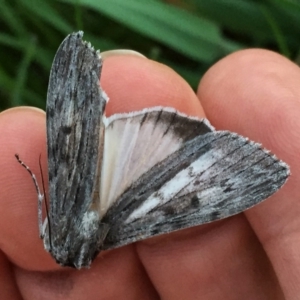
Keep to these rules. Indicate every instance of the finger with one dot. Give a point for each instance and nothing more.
(210, 261)
(21, 208)
(256, 93)
(136, 83)
(23, 132)
(114, 275)
(8, 287)
(191, 272)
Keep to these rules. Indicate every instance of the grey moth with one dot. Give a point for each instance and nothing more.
(124, 178)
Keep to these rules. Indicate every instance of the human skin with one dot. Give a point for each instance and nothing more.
(254, 255)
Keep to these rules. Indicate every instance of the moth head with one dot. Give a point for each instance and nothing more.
(76, 242)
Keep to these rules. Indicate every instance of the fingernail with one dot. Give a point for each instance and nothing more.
(110, 53)
(13, 109)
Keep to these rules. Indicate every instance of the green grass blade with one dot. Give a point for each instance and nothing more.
(194, 37)
(277, 32)
(50, 16)
(11, 19)
(20, 79)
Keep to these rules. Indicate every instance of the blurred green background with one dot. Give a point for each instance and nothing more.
(189, 36)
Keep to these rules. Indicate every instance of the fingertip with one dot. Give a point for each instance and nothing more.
(22, 132)
(13, 110)
(133, 83)
(254, 92)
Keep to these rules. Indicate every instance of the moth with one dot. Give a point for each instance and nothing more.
(124, 178)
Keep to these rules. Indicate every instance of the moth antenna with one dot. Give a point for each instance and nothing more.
(40, 195)
(46, 204)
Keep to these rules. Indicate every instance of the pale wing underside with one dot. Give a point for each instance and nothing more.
(213, 176)
(135, 142)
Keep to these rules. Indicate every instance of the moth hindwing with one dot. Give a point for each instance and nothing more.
(117, 180)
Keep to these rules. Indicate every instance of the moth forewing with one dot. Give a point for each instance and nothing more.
(75, 106)
(211, 177)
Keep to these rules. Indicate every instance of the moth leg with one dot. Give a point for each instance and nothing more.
(44, 227)
(40, 197)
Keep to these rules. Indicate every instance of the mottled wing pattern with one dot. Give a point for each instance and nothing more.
(74, 136)
(211, 176)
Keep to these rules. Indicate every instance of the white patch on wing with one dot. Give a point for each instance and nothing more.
(89, 220)
(177, 183)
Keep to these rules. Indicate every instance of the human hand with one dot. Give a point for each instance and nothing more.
(248, 256)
